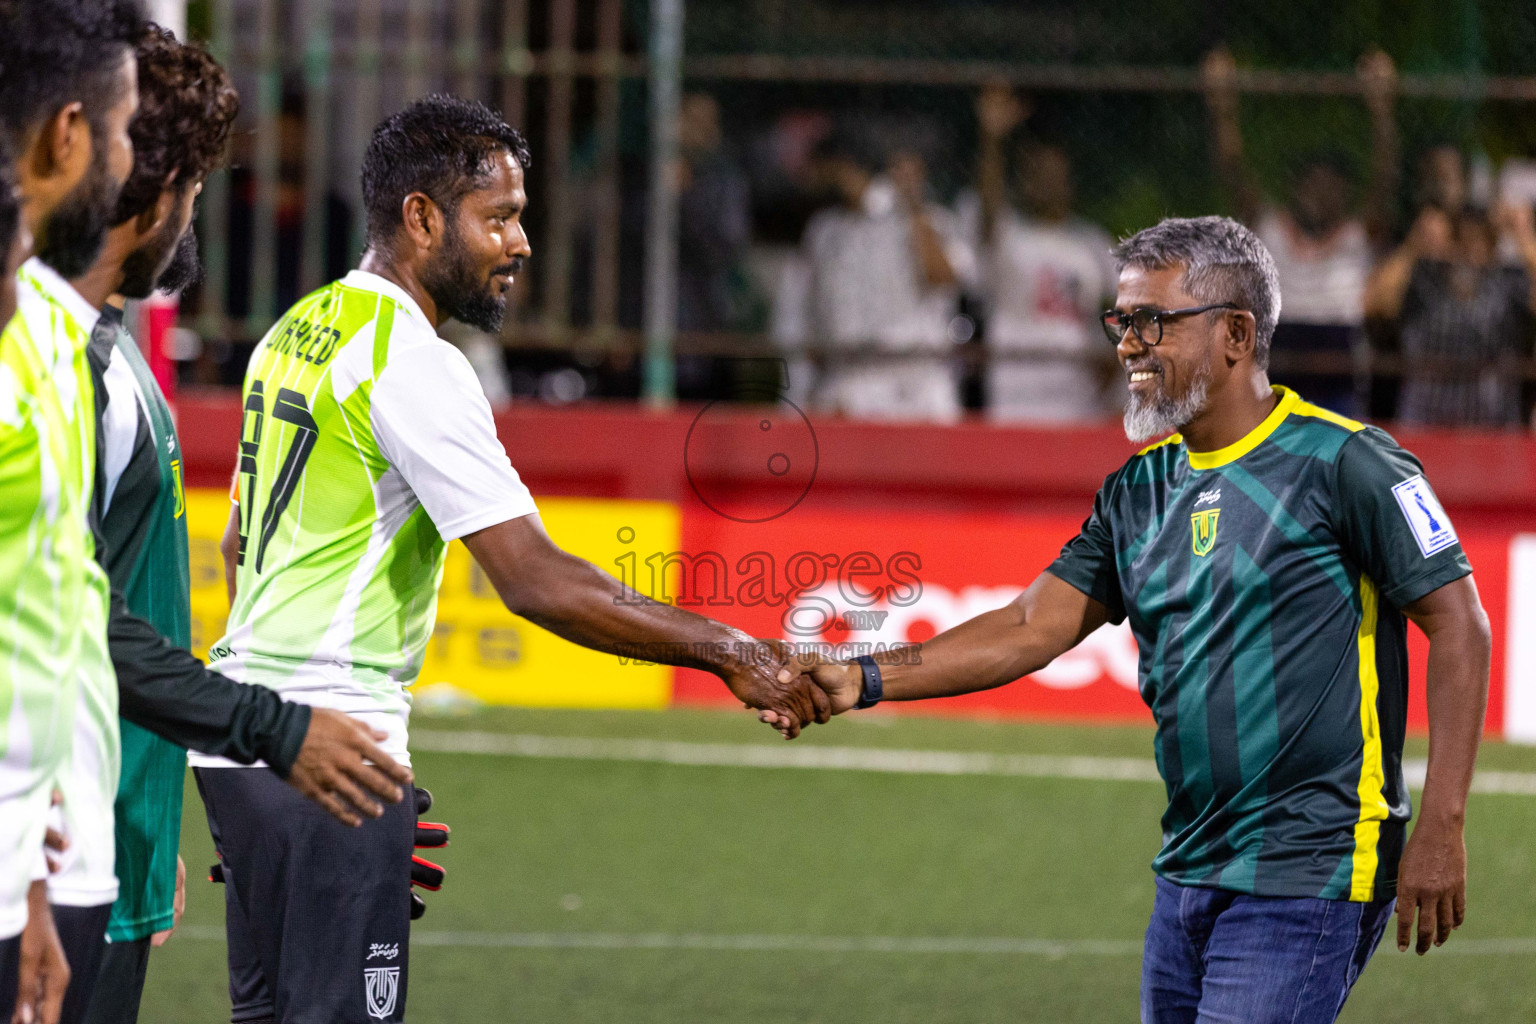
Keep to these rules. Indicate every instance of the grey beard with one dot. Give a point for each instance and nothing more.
(1149, 417)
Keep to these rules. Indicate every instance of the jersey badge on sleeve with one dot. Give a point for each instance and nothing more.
(1430, 525)
(1203, 525)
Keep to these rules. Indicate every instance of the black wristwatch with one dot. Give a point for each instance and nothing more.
(873, 687)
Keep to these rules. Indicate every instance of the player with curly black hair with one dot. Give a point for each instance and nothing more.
(81, 643)
(187, 105)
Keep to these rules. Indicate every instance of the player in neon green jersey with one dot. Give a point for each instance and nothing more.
(67, 83)
(187, 105)
(367, 445)
(52, 590)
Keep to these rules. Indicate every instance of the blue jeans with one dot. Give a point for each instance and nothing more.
(1215, 957)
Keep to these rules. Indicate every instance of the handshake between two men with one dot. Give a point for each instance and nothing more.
(813, 688)
(789, 688)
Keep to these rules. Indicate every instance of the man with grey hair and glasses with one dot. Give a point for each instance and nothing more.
(1268, 556)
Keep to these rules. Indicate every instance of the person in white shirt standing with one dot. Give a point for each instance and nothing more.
(885, 268)
(1323, 252)
(1045, 276)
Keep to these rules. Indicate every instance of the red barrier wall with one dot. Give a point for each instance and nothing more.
(620, 450)
(982, 509)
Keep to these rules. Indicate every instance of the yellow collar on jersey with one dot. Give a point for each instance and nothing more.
(1251, 440)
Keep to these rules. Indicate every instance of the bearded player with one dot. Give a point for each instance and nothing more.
(186, 108)
(187, 105)
(66, 97)
(367, 445)
(68, 80)
(1268, 557)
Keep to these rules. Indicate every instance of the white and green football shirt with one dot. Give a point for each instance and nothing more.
(367, 444)
(52, 593)
(86, 876)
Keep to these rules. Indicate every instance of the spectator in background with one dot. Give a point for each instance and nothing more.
(882, 273)
(715, 223)
(224, 363)
(1464, 318)
(291, 188)
(714, 229)
(1045, 274)
(1322, 251)
(1441, 181)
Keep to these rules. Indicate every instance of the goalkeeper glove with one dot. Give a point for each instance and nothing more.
(424, 873)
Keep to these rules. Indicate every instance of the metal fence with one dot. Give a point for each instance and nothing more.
(596, 84)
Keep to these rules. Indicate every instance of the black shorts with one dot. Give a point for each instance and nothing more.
(119, 983)
(83, 934)
(10, 964)
(317, 914)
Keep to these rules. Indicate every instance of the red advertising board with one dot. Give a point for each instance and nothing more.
(902, 577)
(897, 578)
(982, 509)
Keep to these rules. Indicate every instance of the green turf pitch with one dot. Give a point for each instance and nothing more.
(636, 891)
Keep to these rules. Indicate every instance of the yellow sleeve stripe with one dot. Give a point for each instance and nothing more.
(1373, 803)
(1318, 412)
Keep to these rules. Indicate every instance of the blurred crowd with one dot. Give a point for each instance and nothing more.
(1405, 296)
(1410, 303)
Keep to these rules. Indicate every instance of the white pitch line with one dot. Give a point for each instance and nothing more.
(762, 755)
(780, 943)
(750, 942)
(865, 759)
(922, 945)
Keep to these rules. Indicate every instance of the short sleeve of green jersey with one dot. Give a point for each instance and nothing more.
(1088, 560)
(1390, 521)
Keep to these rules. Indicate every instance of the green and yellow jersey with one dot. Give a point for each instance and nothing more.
(1263, 583)
(141, 510)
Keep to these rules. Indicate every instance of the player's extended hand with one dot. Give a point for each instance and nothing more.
(1432, 880)
(44, 972)
(756, 676)
(839, 682)
(429, 835)
(332, 768)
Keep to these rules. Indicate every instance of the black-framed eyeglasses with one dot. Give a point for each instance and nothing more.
(1148, 322)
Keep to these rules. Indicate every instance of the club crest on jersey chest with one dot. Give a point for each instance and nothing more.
(1203, 529)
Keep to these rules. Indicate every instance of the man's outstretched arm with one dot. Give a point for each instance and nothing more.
(574, 599)
(992, 649)
(1432, 877)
